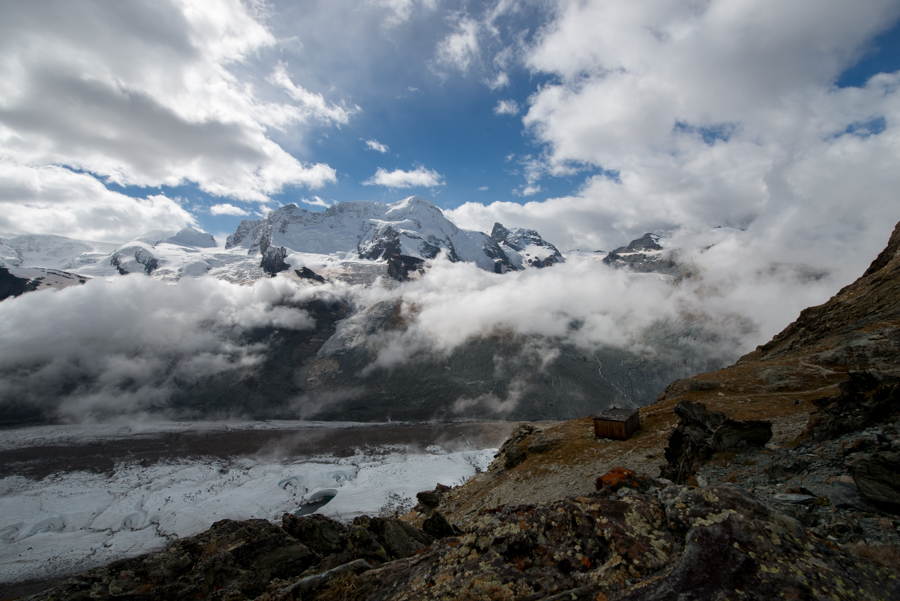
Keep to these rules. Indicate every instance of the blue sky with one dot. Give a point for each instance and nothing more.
(616, 119)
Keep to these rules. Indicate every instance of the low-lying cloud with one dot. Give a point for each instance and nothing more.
(124, 347)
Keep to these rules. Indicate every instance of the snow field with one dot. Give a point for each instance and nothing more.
(70, 522)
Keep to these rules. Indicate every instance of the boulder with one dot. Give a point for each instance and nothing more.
(734, 432)
(438, 526)
(878, 477)
(701, 432)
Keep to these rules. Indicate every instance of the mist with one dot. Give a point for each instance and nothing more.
(120, 349)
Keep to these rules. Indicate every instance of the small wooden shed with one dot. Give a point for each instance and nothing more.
(617, 423)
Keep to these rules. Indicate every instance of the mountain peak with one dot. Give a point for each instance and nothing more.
(190, 236)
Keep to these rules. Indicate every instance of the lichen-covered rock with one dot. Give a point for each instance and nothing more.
(231, 560)
(438, 526)
(531, 551)
(677, 542)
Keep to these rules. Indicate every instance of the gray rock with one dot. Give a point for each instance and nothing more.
(845, 496)
(878, 477)
(732, 432)
(793, 499)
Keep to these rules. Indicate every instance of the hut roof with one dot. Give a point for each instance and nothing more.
(614, 414)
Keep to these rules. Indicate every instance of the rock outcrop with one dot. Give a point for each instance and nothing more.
(701, 432)
(623, 543)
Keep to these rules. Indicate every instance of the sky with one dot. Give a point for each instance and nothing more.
(762, 138)
(591, 121)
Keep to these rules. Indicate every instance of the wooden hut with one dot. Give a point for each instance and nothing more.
(617, 423)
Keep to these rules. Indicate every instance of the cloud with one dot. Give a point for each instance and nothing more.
(683, 117)
(498, 82)
(528, 191)
(460, 48)
(483, 188)
(506, 107)
(124, 346)
(312, 106)
(399, 11)
(376, 145)
(54, 200)
(315, 202)
(227, 209)
(150, 94)
(418, 177)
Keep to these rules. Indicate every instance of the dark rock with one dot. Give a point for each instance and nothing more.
(398, 538)
(689, 444)
(780, 472)
(429, 499)
(696, 414)
(321, 534)
(866, 399)
(273, 260)
(646, 242)
(232, 559)
(438, 527)
(400, 267)
(308, 274)
(878, 477)
(514, 449)
(376, 540)
(701, 432)
(732, 432)
(311, 584)
(715, 543)
(11, 285)
(846, 496)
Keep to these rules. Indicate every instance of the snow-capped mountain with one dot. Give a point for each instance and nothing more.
(525, 248)
(355, 241)
(413, 228)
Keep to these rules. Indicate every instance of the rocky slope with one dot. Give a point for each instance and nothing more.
(783, 484)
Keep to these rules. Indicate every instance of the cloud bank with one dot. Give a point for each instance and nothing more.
(685, 116)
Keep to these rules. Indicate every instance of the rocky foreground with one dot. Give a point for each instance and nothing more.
(778, 477)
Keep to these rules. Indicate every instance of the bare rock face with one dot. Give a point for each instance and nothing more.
(11, 285)
(701, 432)
(272, 261)
(878, 477)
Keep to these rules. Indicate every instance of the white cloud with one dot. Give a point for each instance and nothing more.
(315, 202)
(227, 209)
(500, 81)
(376, 145)
(418, 177)
(55, 200)
(399, 11)
(149, 94)
(506, 107)
(483, 188)
(312, 106)
(129, 341)
(718, 113)
(460, 48)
